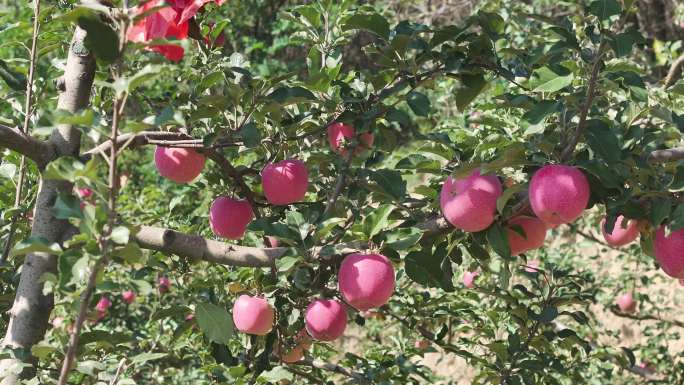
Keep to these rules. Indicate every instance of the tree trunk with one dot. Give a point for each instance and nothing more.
(30, 312)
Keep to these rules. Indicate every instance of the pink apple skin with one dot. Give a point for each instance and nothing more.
(340, 134)
(181, 165)
(422, 344)
(532, 266)
(163, 284)
(669, 252)
(253, 315)
(620, 236)
(326, 319)
(535, 234)
(469, 279)
(626, 303)
(681, 281)
(84, 192)
(272, 241)
(285, 182)
(58, 322)
(366, 281)
(229, 217)
(103, 304)
(470, 203)
(128, 296)
(559, 194)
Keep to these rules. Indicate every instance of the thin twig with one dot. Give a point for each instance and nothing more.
(119, 371)
(646, 317)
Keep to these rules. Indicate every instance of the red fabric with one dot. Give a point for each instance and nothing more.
(166, 23)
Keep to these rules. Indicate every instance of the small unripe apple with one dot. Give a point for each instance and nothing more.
(163, 284)
(285, 182)
(340, 134)
(669, 252)
(534, 230)
(190, 317)
(326, 319)
(253, 315)
(623, 233)
(626, 303)
(128, 296)
(181, 165)
(469, 279)
(532, 266)
(228, 217)
(366, 280)
(559, 193)
(470, 203)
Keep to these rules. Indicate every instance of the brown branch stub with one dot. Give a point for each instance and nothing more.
(201, 249)
(38, 151)
(664, 156)
(674, 73)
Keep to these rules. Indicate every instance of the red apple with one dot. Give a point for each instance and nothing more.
(128, 296)
(272, 241)
(534, 230)
(326, 319)
(623, 233)
(469, 279)
(669, 252)
(559, 194)
(285, 182)
(366, 280)
(84, 192)
(422, 344)
(181, 165)
(470, 203)
(163, 284)
(253, 315)
(340, 134)
(626, 303)
(229, 217)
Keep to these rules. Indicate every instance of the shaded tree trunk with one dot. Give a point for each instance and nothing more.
(30, 312)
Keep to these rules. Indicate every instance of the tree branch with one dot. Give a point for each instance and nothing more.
(198, 248)
(330, 367)
(645, 317)
(674, 72)
(38, 151)
(664, 156)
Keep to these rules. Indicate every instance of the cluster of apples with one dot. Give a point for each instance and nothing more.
(365, 280)
(283, 183)
(558, 194)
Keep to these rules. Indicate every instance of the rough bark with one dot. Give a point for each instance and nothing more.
(31, 309)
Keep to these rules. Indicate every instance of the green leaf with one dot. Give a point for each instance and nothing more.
(401, 239)
(604, 9)
(541, 110)
(603, 141)
(470, 87)
(8, 170)
(101, 39)
(506, 196)
(170, 312)
(622, 43)
(377, 220)
(660, 210)
(67, 206)
(34, 244)
(291, 95)
(215, 322)
(390, 182)
(419, 103)
(546, 80)
(14, 79)
(64, 168)
(677, 218)
(498, 239)
(120, 235)
(251, 135)
(277, 374)
(370, 22)
(146, 357)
